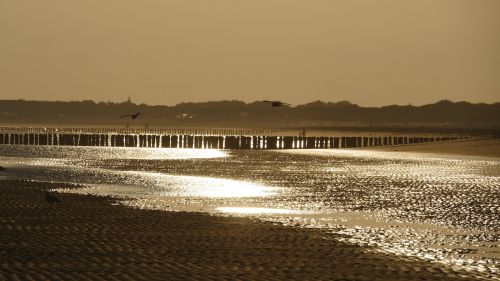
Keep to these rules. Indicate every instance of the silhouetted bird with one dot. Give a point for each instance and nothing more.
(133, 116)
(51, 198)
(276, 103)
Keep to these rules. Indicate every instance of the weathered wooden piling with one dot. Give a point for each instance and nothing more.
(129, 141)
(309, 142)
(189, 141)
(271, 142)
(245, 142)
(211, 142)
(255, 142)
(288, 142)
(165, 141)
(174, 141)
(84, 140)
(43, 139)
(231, 142)
(62, 139)
(197, 141)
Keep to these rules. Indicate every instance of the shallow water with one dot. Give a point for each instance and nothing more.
(439, 208)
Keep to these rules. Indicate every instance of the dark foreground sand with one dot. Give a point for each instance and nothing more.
(91, 238)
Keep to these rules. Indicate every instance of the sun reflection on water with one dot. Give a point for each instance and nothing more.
(162, 185)
(108, 153)
(257, 211)
(217, 188)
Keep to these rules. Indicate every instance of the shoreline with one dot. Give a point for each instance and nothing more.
(93, 237)
(483, 149)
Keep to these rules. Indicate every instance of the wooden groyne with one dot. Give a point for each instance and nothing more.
(153, 140)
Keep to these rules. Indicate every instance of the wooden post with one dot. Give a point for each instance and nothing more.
(165, 141)
(288, 142)
(189, 141)
(197, 141)
(231, 142)
(255, 142)
(271, 142)
(84, 139)
(245, 142)
(174, 141)
(220, 143)
(142, 140)
(309, 142)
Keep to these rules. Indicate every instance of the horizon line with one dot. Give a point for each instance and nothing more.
(247, 103)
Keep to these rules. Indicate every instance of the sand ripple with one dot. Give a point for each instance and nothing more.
(92, 238)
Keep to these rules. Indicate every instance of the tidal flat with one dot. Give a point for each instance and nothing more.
(439, 210)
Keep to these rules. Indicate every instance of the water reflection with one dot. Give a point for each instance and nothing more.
(257, 211)
(141, 184)
(217, 188)
(108, 153)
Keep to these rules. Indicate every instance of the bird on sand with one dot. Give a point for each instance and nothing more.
(50, 198)
(133, 116)
(276, 103)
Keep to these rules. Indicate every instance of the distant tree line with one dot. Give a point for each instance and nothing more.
(241, 114)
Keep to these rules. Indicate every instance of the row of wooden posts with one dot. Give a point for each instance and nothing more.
(213, 142)
(153, 131)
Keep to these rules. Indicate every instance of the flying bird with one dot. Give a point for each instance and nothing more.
(133, 116)
(50, 198)
(276, 103)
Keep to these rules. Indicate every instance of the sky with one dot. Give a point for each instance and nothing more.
(370, 52)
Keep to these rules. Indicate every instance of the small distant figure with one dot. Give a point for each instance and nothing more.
(50, 198)
(133, 116)
(276, 103)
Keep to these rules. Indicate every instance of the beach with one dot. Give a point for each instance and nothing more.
(479, 147)
(409, 212)
(86, 237)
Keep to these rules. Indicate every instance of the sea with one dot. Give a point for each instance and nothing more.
(440, 208)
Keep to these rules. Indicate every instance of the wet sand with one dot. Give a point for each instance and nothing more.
(93, 238)
(489, 148)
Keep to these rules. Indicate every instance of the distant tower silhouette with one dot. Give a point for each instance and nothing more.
(129, 100)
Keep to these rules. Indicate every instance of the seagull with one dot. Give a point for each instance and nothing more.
(276, 103)
(51, 198)
(133, 116)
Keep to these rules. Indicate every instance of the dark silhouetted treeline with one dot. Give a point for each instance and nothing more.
(240, 114)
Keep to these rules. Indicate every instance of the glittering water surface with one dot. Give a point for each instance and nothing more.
(439, 208)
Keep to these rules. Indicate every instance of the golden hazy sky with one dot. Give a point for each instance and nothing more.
(371, 52)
